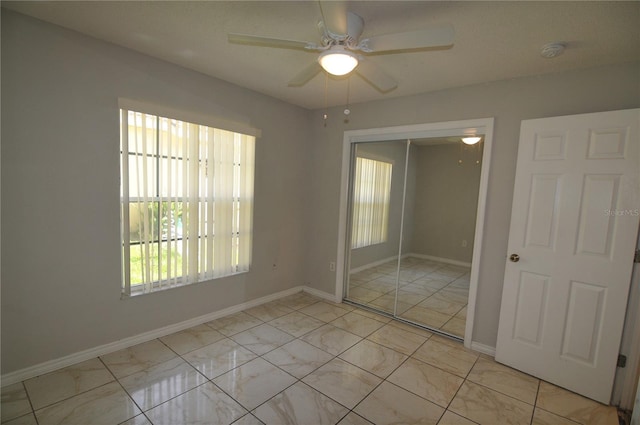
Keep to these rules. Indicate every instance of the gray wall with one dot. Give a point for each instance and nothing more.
(446, 200)
(60, 191)
(593, 90)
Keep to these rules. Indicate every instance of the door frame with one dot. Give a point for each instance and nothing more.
(420, 131)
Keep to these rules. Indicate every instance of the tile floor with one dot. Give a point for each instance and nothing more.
(431, 293)
(298, 360)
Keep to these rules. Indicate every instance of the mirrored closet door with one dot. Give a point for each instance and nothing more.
(412, 217)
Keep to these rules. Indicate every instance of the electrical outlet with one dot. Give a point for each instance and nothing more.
(332, 266)
(464, 243)
(274, 267)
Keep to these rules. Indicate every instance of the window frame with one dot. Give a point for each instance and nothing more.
(202, 123)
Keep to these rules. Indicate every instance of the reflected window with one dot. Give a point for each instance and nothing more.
(371, 195)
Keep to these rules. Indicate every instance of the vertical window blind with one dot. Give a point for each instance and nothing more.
(371, 196)
(186, 202)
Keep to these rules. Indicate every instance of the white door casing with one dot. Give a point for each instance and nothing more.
(574, 225)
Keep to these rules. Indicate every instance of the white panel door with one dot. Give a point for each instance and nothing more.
(574, 226)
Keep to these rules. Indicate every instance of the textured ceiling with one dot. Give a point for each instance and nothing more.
(494, 40)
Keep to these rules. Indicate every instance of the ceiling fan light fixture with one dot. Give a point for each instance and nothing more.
(338, 60)
(472, 140)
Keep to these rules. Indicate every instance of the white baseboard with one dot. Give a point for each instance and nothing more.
(441, 260)
(55, 364)
(320, 294)
(484, 349)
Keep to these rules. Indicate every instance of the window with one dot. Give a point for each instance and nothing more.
(186, 202)
(371, 194)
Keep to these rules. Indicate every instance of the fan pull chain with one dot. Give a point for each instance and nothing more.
(347, 111)
(326, 88)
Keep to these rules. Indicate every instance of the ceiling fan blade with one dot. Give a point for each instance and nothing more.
(334, 15)
(355, 25)
(376, 76)
(270, 42)
(442, 36)
(305, 75)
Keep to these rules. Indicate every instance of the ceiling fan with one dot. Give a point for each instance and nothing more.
(343, 51)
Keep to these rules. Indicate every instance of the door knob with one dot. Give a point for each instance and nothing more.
(514, 258)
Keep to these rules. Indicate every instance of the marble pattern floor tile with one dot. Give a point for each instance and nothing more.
(262, 338)
(455, 326)
(191, 339)
(462, 314)
(313, 362)
(450, 418)
(372, 315)
(426, 316)
(248, 419)
(139, 357)
(388, 280)
(411, 328)
(343, 382)
(298, 300)
(442, 305)
(409, 275)
(61, 384)
(219, 357)
(324, 311)
(447, 355)
(203, 405)
(389, 404)
(427, 285)
(269, 311)
(374, 358)
(436, 275)
(234, 323)
(331, 339)
(397, 339)
(505, 380)
(138, 420)
(427, 381)
(300, 404)
(542, 417)
(254, 383)
(409, 297)
(354, 419)
(15, 402)
(573, 406)
(298, 358)
(159, 383)
(485, 406)
(418, 288)
(363, 295)
(296, 323)
(383, 285)
(388, 303)
(357, 324)
(453, 294)
(108, 404)
(29, 419)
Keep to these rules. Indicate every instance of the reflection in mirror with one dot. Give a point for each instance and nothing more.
(443, 180)
(377, 184)
(422, 277)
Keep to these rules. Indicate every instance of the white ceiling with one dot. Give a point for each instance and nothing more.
(494, 40)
